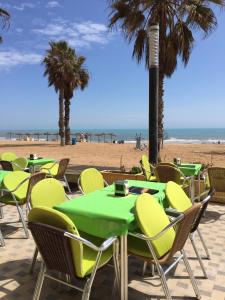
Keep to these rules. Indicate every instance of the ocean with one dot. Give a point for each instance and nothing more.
(173, 136)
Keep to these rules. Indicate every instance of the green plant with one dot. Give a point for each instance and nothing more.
(135, 170)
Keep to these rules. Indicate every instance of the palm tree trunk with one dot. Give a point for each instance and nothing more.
(162, 54)
(61, 118)
(160, 108)
(67, 120)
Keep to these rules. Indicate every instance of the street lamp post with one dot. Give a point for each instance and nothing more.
(153, 39)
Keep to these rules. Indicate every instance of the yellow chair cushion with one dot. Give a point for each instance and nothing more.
(83, 257)
(9, 156)
(47, 192)
(176, 197)
(50, 168)
(146, 166)
(91, 180)
(11, 181)
(152, 219)
(20, 163)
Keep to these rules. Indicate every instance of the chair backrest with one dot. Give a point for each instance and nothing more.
(50, 168)
(6, 165)
(152, 219)
(91, 180)
(146, 167)
(63, 163)
(19, 164)
(176, 197)
(34, 178)
(204, 206)
(165, 173)
(59, 253)
(47, 192)
(13, 179)
(10, 156)
(217, 178)
(184, 228)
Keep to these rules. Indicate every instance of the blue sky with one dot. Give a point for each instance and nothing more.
(117, 95)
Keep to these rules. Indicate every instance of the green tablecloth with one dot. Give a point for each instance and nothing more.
(190, 169)
(3, 174)
(103, 214)
(40, 161)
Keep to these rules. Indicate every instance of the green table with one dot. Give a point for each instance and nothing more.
(190, 169)
(103, 214)
(32, 163)
(2, 175)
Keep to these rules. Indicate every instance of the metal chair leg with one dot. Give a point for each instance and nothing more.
(67, 184)
(198, 256)
(203, 243)
(192, 278)
(144, 268)
(2, 242)
(164, 283)
(23, 221)
(39, 283)
(33, 260)
(1, 212)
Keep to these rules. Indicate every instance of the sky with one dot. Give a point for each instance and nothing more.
(117, 94)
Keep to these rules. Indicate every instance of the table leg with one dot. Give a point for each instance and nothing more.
(123, 267)
(192, 188)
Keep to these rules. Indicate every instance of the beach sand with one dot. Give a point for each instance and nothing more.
(108, 155)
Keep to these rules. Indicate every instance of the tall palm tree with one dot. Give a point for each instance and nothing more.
(177, 21)
(55, 69)
(4, 16)
(64, 70)
(78, 77)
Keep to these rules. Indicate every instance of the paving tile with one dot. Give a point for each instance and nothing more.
(17, 283)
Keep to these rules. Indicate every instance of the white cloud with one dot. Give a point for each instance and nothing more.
(24, 5)
(14, 58)
(53, 4)
(77, 34)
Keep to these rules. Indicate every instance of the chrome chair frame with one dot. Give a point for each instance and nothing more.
(192, 237)
(162, 274)
(87, 287)
(64, 177)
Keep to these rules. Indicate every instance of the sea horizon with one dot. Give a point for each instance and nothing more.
(171, 135)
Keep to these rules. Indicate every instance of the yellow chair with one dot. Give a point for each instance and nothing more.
(179, 201)
(19, 164)
(147, 168)
(46, 193)
(159, 241)
(64, 250)
(14, 190)
(91, 180)
(57, 170)
(9, 156)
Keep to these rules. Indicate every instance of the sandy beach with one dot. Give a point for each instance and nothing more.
(109, 155)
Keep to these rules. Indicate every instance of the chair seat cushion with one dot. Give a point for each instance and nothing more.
(8, 200)
(89, 255)
(138, 247)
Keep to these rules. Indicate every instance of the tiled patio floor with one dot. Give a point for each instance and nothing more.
(17, 283)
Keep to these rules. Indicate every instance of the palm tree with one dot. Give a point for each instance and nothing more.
(78, 77)
(55, 69)
(4, 16)
(65, 72)
(177, 21)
